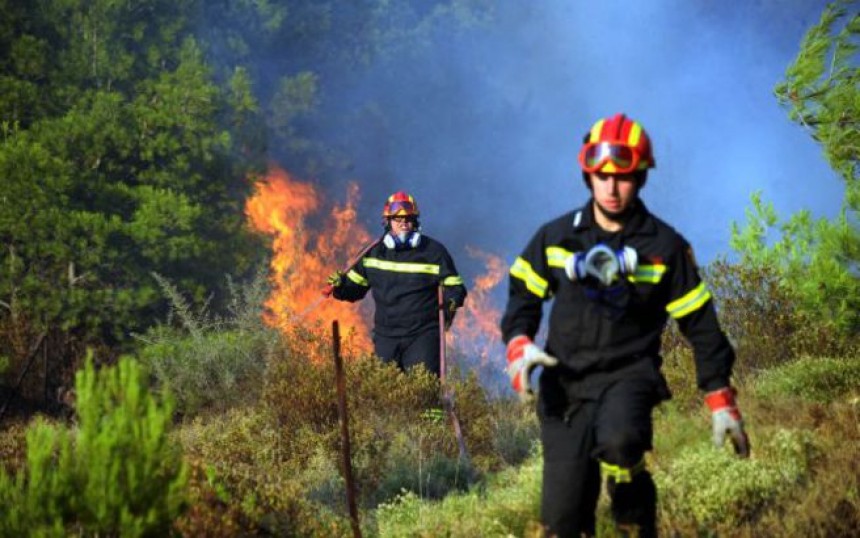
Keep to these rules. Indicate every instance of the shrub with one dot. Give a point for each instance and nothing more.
(508, 505)
(116, 473)
(818, 379)
(515, 431)
(210, 362)
(245, 483)
(385, 416)
(711, 490)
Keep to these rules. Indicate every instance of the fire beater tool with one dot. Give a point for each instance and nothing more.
(447, 395)
(329, 289)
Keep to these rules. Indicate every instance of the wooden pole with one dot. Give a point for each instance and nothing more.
(340, 379)
(447, 397)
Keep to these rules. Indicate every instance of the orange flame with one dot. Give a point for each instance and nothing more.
(476, 329)
(303, 258)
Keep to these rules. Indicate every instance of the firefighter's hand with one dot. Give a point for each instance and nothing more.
(450, 309)
(523, 357)
(727, 420)
(335, 279)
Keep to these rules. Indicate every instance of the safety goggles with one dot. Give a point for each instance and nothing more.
(595, 155)
(401, 208)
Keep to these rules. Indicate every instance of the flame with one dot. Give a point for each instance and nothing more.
(302, 257)
(476, 329)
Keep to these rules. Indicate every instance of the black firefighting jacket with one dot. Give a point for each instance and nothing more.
(404, 284)
(598, 328)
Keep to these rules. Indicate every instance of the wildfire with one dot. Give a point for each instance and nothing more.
(302, 258)
(476, 335)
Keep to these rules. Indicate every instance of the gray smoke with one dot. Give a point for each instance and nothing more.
(483, 125)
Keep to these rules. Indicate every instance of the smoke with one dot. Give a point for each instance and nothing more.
(483, 123)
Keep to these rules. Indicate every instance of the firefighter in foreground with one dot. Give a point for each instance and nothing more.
(616, 274)
(403, 271)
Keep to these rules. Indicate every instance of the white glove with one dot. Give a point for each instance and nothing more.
(727, 420)
(523, 357)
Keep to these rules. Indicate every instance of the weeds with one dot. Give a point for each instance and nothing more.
(207, 361)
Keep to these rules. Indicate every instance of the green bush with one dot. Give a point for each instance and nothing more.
(817, 379)
(507, 505)
(713, 490)
(115, 473)
(515, 431)
(245, 481)
(209, 362)
(388, 434)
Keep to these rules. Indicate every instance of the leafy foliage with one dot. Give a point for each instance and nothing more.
(818, 260)
(809, 258)
(118, 159)
(507, 507)
(210, 361)
(715, 489)
(116, 473)
(818, 379)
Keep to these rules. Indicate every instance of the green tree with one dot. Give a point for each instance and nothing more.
(819, 259)
(120, 155)
(116, 473)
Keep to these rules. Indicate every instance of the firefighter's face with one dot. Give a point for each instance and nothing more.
(400, 225)
(614, 193)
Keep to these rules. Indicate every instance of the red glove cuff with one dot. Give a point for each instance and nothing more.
(516, 347)
(721, 399)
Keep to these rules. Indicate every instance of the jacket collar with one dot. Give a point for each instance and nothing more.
(640, 221)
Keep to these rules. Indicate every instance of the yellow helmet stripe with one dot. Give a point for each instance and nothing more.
(634, 135)
(690, 302)
(595, 131)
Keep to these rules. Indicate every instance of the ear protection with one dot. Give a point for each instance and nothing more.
(408, 240)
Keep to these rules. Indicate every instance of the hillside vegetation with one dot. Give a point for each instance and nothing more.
(150, 398)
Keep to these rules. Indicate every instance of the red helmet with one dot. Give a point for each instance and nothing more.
(400, 204)
(616, 145)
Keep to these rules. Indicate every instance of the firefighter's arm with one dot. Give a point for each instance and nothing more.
(350, 286)
(693, 308)
(453, 287)
(530, 285)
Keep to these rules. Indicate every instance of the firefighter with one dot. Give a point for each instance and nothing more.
(616, 273)
(404, 271)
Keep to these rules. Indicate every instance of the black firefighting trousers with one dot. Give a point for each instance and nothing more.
(588, 419)
(410, 351)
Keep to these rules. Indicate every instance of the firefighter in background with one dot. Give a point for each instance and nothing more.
(403, 271)
(616, 274)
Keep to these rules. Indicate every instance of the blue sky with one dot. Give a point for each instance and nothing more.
(486, 130)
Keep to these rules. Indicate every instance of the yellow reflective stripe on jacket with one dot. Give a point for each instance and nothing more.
(455, 280)
(557, 256)
(402, 267)
(690, 302)
(650, 274)
(357, 278)
(534, 282)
